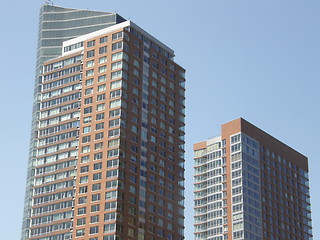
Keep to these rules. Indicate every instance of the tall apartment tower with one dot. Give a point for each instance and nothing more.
(249, 185)
(107, 146)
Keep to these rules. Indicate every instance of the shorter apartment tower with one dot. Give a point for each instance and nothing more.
(249, 185)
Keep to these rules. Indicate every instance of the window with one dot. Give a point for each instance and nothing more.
(82, 210)
(91, 43)
(136, 63)
(114, 123)
(102, 60)
(160, 222)
(97, 166)
(118, 84)
(100, 116)
(83, 179)
(90, 63)
(97, 176)
(95, 197)
(131, 232)
(88, 100)
(101, 97)
(88, 91)
(112, 163)
(98, 146)
(112, 173)
(101, 107)
(103, 39)
(109, 227)
(102, 69)
(87, 119)
(154, 83)
(96, 186)
(102, 50)
(133, 158)
(89, 82)
(111, 237)
(95, 208)
(101, 88)
(82, 200)
(117, 35)
(80, 233)
(109, 216)
(87, 129)
(94, 219)
(117, 74)
(115, 113)
(87, 110)
(102, 78)
(110, 195)
(114, 143)
(117, 46)
(117, 65)
(132, 210)
(132, 189)
(119, 55)
(99, 126)
(97, 156)
(111, 184)
(84, 169)
(90, 54)
(81, 221)
(85, 159)
(99, 136)
(113, 153)
(133, 179)
(114, 133)
(134, 129)
(153, 139)
(110, 205)
(115, 103)
(86, 139)
(73, 46)
(136, 72)
(94, 230)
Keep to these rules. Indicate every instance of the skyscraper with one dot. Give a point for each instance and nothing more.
(107, 146)
(249, 185)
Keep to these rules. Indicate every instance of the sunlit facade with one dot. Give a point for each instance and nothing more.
(107, 154)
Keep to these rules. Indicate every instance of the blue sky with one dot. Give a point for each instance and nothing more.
(253, 59)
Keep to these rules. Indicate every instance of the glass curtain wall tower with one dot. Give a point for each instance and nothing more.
(107, 146)
(56, 24)
(249, 185)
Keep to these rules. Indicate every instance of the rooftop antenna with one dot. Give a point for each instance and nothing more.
(49, 2)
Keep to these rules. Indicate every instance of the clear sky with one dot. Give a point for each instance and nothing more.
(255, 59)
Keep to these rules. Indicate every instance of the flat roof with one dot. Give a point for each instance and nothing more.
(112, 29)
